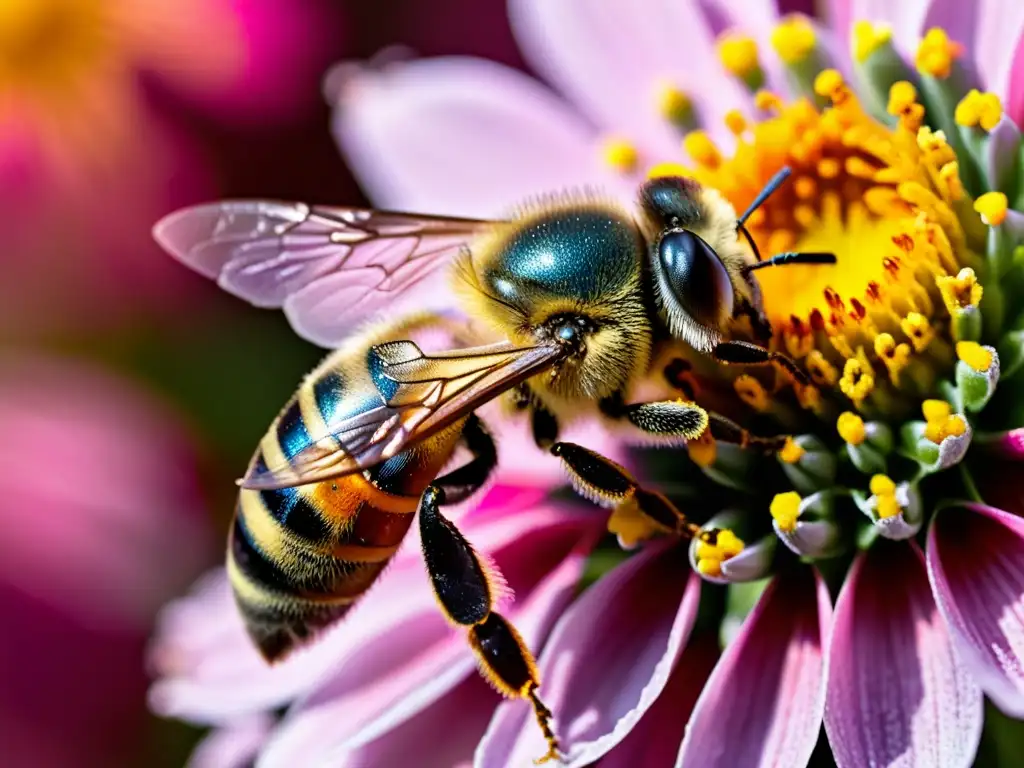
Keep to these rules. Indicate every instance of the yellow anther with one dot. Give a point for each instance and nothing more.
(977, 108)
(851, 428)
(729, 543)
(793, 39)
(901, 96)
(895, 356)
(887, 507)
(961, 291)
(936, 53)
(976, 356)
(992, 206)
(868, 38)
(955, 425)
(935, 431)
(710, 556)
(620, 155)
(709, 567)
(735, 122)
(936, 411)
(791, 453)
(704, 450)
(631, 525)
(858, 380)
(950, 173)
(767, 101)
(702, 149)
(918, 330)
(658, 170)
(882, 485)
(751, 392)
(674, 105)
(738, 54)
(828, 83)
(785, 509)
(821, 370)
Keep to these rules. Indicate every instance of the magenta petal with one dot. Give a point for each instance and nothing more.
(1014, 101)
(976, 565)
(234, 746)
(998, 34)
(606, 663)
(897, 693)
(762, 705)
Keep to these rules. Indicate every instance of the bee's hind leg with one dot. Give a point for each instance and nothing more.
(463, 481)
(466, 591)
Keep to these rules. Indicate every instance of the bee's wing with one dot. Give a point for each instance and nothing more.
(420, 395)
(326, 267)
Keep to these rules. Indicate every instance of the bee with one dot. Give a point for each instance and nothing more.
(581, 294)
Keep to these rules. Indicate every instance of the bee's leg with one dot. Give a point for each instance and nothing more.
(544, 426)
(462, 482)
(608, 484)
(465, 589)
(745, 353)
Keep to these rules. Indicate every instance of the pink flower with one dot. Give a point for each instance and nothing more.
(897, 674)
(99, 524)
(87, 161)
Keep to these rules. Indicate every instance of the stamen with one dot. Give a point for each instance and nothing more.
(751, 392)
(936, 54)
(767, 101)
(869, 37)
(960, 292)
(941, 422)
(903, 104)
(978, 109)
(738, 54)
(858, 381)
(785, 509)
(979, 358)
(992, 206)
(621, 155)
(702, 149)
(851, 428)
(735, 122)
(791, 452)
(675, 106)
(793, 39)
(821, 370)
(711, 556)
(894, 356)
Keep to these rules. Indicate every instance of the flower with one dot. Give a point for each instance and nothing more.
(87, 159)
(100, 523)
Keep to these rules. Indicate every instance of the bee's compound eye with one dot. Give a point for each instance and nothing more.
(695, 275)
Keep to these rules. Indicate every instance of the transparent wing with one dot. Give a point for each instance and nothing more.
(420, 395)
(327, 267)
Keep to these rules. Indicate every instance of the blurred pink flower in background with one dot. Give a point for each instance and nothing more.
(88, 161)
(101, 520)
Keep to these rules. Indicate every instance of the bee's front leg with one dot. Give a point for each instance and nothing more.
(462, 482)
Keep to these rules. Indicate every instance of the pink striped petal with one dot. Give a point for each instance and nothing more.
(1014, 101)
(385, 681)
(606, 663)
(997, 36)
(235, 746)
(459, 136)
(762, 705)
(897, 694)
(656, 738)
(612, 63)
(976, 565)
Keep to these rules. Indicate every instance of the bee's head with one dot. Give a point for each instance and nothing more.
(567, 271)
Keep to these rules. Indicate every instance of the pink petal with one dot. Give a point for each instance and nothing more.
(459, 136)
(656, 738)
(1009, 445)
(976, 565)
(762, 705)
(1014, 101)
(386, 680)
(612, 64)
(897, 694)
(235, 746)
(606, 663)
(997, 37)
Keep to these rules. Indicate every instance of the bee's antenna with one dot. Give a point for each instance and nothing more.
(791, 257)
(773, 184)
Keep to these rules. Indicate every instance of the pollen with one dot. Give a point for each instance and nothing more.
(882, 485)
(793, 39)
(976, 356)
(884, 490)
(621, 155)
(903, 104)
(704, 450)
(936, 410)
(821, 370)
(961, 291)
(992, 206)
(941, 422)
(888, 506)
(702, 149)
(675, 105)
(979, 109)
(851, 428)
(751, 392)
(858, 380)
(828, 83)
(735, 122)
(894, 356)
(767, 101)
(868, 37)
(785, 509)
(936, 54)
(790, 452)
(710, 556)
(738, 54)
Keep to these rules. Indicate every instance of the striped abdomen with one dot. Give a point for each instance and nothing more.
(298, 558)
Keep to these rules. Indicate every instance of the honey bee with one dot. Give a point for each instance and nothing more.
(581, 293)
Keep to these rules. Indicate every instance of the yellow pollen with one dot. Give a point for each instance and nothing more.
(941, 422)
(894, 356)
(620, 155)
(702, 149)
(887, 507)
(936, 53)
(828, 83)
(751, 392)
(710, 556)
(976, 356)
(821, 370)
(767, 101)
(793, 39)
(674, 105)
(791, 453)
(882, 485)
(785, 509)
(901, 95)
(955, 425)
(704, 450)
(936, 410)
(960, 292)
(659, 170)
(851, 428)
(858, 381)
(735, 122)
(738, 54)
(869, 37)
(918, 330)
(977, 108)
(992, 206)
